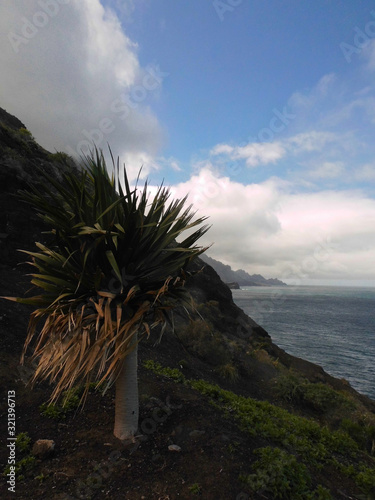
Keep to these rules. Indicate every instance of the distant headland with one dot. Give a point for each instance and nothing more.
(236, 279)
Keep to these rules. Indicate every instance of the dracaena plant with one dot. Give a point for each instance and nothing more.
(113, 271)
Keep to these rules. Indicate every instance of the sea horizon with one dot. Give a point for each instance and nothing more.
(334, 283)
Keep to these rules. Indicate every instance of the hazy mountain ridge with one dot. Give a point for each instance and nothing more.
(228, 275)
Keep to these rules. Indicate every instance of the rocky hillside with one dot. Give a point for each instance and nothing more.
(225, 413)
(228, 275)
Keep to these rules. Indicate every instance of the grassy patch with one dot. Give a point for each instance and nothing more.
(279, 473)
(228, 372)
(195, 489)
(317, 396)
(60, 157)
(71, 401)
(18, 141)
(27, 462)
(362, 432)
(172, 373)
(23, 442)
(25, 134)
(59, 412)
(22, 467)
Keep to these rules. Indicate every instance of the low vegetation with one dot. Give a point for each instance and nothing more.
(27, 461)
(23, 442)
(70, 401)
(279, 473)
(299, 448)
(16, 142)
(318, 396)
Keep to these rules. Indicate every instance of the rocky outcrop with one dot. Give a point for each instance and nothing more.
(20, 158)
(43, 448)
(233, 285)
(10, 120)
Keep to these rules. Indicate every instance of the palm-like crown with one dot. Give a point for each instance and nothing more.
(112, 272)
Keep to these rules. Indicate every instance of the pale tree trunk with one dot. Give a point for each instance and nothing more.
(127, 401)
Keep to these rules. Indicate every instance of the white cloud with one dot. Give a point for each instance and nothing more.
(222, 149)
(310, 141)
(264, 153)
(260, 153)
(301, 229)
(72, 76)
(166, 164)
(266, 228)
(254, 154)
(301, 102)
(174, 165)
(139, 163)
(328, 170)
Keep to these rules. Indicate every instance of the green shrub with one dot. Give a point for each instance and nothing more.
(25, 134)
(172, 373)
(320, 397)
(228, 372)
(361, 432)
(51, 411)
(22, 466)
(41, 477)
(195, 488)
(71, 399)
(320, 493)
(279, 473)
(365, 479)
(23, 441)
(18, 141)
(289, 387)
(60, 157)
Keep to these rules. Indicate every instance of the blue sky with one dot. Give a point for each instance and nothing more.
(262, 111)
(229, 69)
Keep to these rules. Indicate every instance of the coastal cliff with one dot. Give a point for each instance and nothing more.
(240, 277)
(217, 369)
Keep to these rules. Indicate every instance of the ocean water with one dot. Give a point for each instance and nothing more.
(333, 327)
